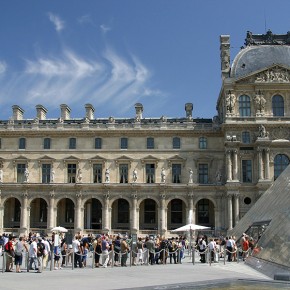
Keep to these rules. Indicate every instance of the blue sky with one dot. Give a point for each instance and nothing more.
(115, 53)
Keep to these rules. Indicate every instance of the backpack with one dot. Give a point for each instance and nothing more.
(40, 249)
(7, 247)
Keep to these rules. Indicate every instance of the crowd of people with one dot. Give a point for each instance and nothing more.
(113, 250)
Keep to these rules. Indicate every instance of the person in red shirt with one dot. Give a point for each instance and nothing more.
(245, 247)
(9, 249)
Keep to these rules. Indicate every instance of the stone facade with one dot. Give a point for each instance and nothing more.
(149, 175)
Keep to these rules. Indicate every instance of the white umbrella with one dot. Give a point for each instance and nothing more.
(59, 229)
(190, 227)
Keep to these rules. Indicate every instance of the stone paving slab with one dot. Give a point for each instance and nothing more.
(128, 277)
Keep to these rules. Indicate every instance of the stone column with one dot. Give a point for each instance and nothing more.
(190, 217)
(133, 214)
(1, 214)
(267, 161)
(235, 164)
(237, 208)
(229, 165)
(162, 229)
(230, 212)
(105, 213)
(78, 213)
(51, 210)
(24, 215)
(260, 164)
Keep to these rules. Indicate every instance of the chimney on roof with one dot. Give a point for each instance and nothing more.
(40, 112)
(139, 110)
(89, 111)
(188, 110)
(17, 112)
(65, 111)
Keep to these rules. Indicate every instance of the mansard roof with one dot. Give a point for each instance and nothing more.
(261, 51)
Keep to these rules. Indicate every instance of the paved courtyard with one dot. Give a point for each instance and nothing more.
(150, 277)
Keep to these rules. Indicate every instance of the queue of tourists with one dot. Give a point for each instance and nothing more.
(113, 250)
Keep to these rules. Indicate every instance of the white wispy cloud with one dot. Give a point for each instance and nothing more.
(105, 28)
(73, 79)
(3, 67)
(57, 21)
(85, 19)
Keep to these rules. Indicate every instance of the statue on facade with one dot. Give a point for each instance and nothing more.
(79, 176)
(260, 102)
(262, 131)
(218, 177)
(135, 176)
(1, 175)
(107, 175)
(26, 175)
(230, 102)
(52, 174)
(163, 175)
(190, 176)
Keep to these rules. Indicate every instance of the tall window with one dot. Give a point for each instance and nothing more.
(150, 143)
(149, 211)
(0, 143)
(281, 161)
(247, 170)
(42, 210)
(123, 211)
(244, 106)
(72, 143)
(203, 211)
(176, 143)
(123, 169)
(17, 210)
(278, 105)
(202, 143)
(46, 143)
(98, 143)
(20, 173)
(46, 169)
(71, 173)
(176, 211)
(22, 143)
(69, 211)
(203, 173)
(124, 143)
(150, 173)
(176, 173)
(246, 138)
(97, 168)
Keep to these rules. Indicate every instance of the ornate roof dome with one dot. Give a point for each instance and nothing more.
(261, 51)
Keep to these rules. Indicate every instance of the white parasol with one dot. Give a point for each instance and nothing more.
(190, 227)
(59, 229)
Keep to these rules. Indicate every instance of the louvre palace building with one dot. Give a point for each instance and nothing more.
(151, 175)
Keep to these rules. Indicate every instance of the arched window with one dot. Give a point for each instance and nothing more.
(244, 106)
(278, 105)
(281, 161)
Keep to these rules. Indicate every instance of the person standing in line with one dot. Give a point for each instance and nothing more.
(150, 245)
(124, 252)
(46, 252)
(140, 248)
(20, 247)
(77, 252)
(105, 251)
(40, 252)
(33, 254)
